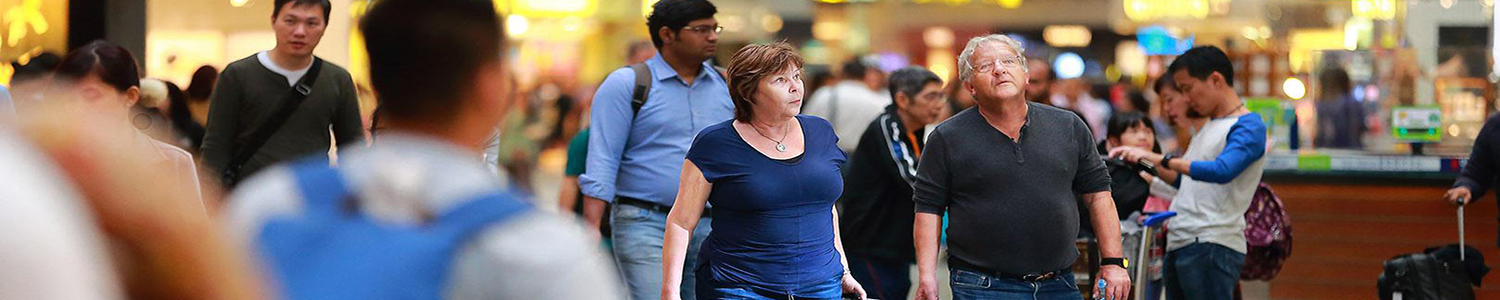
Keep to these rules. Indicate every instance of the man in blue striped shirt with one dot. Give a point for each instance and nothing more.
(635, 157)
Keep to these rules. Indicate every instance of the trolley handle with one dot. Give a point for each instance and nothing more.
(1158, 218)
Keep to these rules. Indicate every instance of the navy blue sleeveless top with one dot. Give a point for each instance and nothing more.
(773, 220)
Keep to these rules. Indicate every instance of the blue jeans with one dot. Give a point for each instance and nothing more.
(881, 278)
(831, 289)
(978, 286)
(1202, 271)
(638, 234)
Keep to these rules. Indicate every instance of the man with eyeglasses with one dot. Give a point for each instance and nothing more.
(280, 104)
(1008, 174)
(640, 131)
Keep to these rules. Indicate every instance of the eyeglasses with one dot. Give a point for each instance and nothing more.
(706, 28)
(1007, 62)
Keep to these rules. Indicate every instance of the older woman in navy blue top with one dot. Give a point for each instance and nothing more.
(771, 176)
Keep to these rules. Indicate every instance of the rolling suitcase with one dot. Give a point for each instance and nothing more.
(1445, 272)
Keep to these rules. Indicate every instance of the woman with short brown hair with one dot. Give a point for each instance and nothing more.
(772, 176)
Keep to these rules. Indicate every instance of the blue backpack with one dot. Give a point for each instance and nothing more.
(331, 251)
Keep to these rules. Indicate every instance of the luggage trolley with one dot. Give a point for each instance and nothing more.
(1150, 227)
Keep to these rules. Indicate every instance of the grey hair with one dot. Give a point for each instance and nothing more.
(966, 70)
(910, 81)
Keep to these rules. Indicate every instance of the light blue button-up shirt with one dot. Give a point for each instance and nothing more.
(642, 158)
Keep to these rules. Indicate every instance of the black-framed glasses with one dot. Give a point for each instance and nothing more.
(705, 28)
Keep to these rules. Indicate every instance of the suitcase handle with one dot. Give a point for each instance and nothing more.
(1461, 246)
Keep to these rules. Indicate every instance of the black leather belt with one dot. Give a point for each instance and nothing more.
(954, 262)
(652, 206)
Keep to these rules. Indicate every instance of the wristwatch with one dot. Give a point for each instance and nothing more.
(1118, 261)
(1167, 158)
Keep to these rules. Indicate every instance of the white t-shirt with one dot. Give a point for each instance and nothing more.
(292, 76)
(1210, 212)
(849, 106)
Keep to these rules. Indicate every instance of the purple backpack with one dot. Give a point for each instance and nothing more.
(1268, 233)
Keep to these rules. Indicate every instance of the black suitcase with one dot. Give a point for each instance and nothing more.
(1420, 276)
(1439, 273)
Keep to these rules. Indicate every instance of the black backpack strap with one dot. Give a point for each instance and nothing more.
(289, 104)
(643, 81)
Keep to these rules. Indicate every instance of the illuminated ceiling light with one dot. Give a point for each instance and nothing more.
(1067, 36)
(771, 23)
(1137, 10)
(1130, 58)
(1294, 88)
(1068, 65)
(571, 24)
(516, 25)
(1200, 10)
(941, 62)
(1009, 4)
(1249, 33)
(732, 23)
(558, 6)
(1446, 3)
(1152, 10)
(1375, 9)
(938, 37)
(238, 3)
(28, 13)
(829, 30)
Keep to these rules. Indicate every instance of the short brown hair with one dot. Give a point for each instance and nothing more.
(749, 66)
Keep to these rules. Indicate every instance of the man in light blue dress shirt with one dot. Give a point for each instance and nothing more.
(635, 157)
